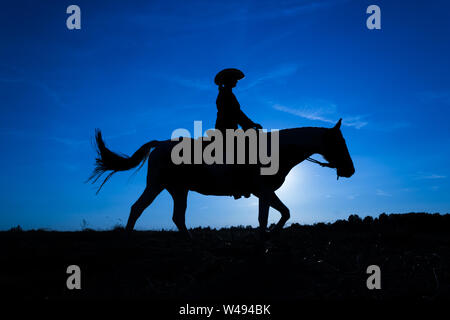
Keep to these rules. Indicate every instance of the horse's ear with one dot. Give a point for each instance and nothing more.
(338, 124)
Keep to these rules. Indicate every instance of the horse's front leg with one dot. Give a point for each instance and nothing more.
(179, 196)
(276, 203)
(267, 200)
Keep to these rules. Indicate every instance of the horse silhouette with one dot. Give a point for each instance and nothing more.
(295, 146)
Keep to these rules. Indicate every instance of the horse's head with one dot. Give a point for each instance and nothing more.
(336, 152)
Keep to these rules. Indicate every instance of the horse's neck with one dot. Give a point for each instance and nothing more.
(301, 143)
(307, 138)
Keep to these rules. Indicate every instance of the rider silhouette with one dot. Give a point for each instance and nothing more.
(230, 115)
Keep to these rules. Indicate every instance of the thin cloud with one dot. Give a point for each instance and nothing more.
(389, 127)
(304, 113)
(319, 114)
(191, 83)
(77, 142)
(228, 13)
(435, 97)
(278, 10)
(279, 72)
(63, 140)
(432, 176)
(40, 85)
(382, 193)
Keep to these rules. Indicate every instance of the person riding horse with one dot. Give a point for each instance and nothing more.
(229, 113)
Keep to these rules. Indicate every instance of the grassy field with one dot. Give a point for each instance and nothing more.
(323, 261)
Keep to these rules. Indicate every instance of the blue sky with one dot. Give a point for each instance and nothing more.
(138, 70)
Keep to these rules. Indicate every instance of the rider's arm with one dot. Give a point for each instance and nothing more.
(241, 117)
(245, 121)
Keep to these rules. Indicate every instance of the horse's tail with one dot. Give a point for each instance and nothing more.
(111, 161)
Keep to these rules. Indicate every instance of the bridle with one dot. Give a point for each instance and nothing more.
(323, 164)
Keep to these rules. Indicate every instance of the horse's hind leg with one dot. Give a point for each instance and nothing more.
(263, 215)
(146, 198)
(179, 209)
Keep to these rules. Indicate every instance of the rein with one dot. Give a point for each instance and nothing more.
(322, 164)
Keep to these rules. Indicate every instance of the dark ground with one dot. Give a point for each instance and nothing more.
(324, 261)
